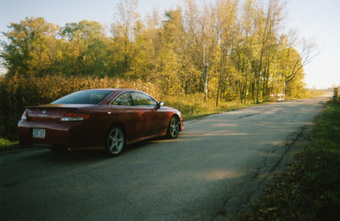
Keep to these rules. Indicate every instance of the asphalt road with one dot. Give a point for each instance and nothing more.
(208, 172)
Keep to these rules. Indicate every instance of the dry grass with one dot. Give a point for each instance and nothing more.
(193, 106)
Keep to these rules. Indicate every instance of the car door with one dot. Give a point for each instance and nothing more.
(128, 114)
(147, 107)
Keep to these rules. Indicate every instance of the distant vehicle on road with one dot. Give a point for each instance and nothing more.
(278, 97)
(98, 119)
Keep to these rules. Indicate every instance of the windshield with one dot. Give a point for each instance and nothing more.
(84, 97)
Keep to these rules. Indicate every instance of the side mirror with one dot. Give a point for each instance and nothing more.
(160, 104)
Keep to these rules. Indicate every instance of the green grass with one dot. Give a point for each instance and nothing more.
(311, 190)
(194, 106)
(216, 111)
(8, 145)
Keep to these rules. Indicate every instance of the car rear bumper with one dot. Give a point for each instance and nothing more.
(65, 135)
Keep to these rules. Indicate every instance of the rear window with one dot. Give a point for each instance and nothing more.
(84, 97)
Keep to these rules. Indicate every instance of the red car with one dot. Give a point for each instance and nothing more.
(98, 119)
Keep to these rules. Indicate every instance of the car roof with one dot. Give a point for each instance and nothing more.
(115, 89)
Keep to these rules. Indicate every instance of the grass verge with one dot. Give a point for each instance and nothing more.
(8, 145)
(311, 190)
(217, 111)
(194, 106)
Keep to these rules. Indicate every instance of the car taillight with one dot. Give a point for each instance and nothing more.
(24, 116)
(75, 117)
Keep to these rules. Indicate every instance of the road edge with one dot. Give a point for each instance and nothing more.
(267, 179)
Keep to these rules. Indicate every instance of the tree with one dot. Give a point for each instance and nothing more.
(153, 44)
(200, 37)
(85, 31)
(96, 59)
(85, 49)
(173, 55)
(268, 20)
(308, 50)
(33, 47)
(122, 29)
(247, 41)
(225, 28)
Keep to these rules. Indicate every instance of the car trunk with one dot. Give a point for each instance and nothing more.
(50, 112)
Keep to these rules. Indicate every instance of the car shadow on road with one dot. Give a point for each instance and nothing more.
(65, 157)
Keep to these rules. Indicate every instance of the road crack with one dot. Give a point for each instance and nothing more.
(249, 115)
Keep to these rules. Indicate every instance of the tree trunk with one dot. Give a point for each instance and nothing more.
(257, 76)
(205, 82)
(253, 90)
(241, 90)
(245, 86)
(205, 90)
(220, 79)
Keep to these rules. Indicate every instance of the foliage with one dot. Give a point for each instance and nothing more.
(8, 145)
(309, 191)
(223, 49)
(32, 50)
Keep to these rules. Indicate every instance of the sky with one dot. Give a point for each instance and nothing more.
(315, 19)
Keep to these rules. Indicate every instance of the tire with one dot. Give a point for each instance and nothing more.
(114, 141)
(173, 128)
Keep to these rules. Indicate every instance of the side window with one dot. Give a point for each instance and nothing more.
(141, 99)
(123, 100)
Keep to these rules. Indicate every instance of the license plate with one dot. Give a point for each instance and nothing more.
(39, 133)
